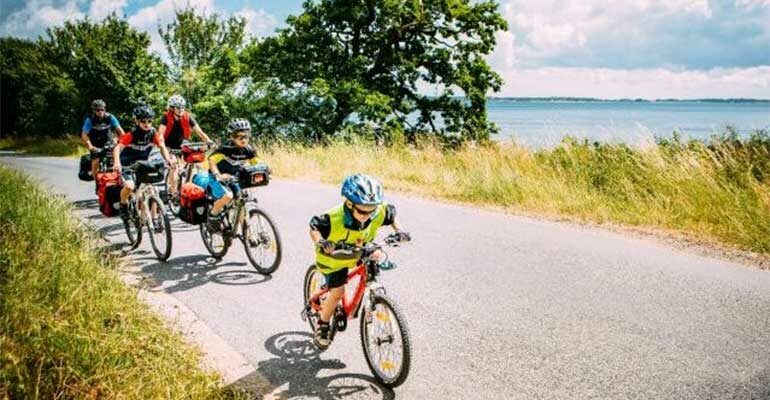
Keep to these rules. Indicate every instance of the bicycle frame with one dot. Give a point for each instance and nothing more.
(349, 307)
(141, 196)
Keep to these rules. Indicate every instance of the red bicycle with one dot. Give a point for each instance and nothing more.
(384, 333)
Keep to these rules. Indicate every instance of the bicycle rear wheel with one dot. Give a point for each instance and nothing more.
(314, 279)
(261, 242)
(159, 228)
(385, 339)
(133, 226)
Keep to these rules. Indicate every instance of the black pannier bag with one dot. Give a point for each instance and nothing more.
(149, 172)
(85, 168)
(254, 175)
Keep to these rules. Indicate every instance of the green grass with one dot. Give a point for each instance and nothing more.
(717, 191)
(69, 146)
(69, 328)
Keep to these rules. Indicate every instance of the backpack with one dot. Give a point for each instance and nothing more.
(193, 206)
(108, 192)
(85, 168)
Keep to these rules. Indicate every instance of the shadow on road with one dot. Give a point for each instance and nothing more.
(85, 204)
(294, 373)
(188, 272)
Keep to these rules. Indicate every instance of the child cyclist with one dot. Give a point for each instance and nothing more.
(354, 222)
(136, 145)
(225, 162)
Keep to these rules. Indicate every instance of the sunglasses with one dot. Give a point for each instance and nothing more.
(364, 212)
(99, 109)
(177, 108)
(145, 121)
(242, 137)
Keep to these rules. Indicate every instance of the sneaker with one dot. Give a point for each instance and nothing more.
(157, 224)
(321, 336)
(214, 223)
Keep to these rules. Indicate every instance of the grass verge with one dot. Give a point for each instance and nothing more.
(69, 146)
(69, 328)
(717, 190)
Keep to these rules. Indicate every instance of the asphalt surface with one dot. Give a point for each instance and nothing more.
(499, 306)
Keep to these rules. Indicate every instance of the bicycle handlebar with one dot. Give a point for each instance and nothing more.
(344, 250)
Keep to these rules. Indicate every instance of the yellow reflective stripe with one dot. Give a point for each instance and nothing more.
(216, 158)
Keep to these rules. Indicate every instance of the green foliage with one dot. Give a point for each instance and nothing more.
(48, 85)
(34, 89)
(108, 60)
(69, 327)
(374, 54)
(205, 66)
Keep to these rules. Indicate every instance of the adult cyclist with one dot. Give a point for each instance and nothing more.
(177, 126)
(354, 222)
(96, 132)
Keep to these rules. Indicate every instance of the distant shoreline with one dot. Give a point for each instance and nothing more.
(637, 100)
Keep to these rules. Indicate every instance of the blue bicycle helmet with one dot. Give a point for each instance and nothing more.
(362, 189)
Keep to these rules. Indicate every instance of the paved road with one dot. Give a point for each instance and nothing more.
(499, 306)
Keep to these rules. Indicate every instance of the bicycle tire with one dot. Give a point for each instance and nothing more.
(173, 200)
(313, 281)
(207, 237)
(162, 253)
(264, 270)
(403, 332)
(133, 226)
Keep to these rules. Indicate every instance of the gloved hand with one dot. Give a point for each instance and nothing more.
(403, 236)
(326, 246)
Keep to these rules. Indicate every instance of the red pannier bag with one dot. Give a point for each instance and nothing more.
(194, 153)
(108, 192)
(192, 204)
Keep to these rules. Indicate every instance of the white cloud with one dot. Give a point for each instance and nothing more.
(258, 22)
(753, 3)
(37, 15)
(634, 33)
(100, 9)
(149, 18)
(639, 83)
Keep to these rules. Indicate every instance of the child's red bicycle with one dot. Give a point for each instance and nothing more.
(384, 333)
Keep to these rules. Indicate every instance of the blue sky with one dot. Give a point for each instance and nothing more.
(597, 48)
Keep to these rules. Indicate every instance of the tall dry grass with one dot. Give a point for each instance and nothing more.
(717, 190)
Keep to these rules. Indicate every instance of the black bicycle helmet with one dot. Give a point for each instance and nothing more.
(143, 111)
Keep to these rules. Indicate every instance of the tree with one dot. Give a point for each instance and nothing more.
(108, 60)
(37, 97)
(374, 55)
(205, 65)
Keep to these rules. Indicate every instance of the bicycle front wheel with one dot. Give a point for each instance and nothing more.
(385, 339)
(261, 241)
(216, 243)
(159, 228)
(172, 197)
(133, 226)
(314, 279)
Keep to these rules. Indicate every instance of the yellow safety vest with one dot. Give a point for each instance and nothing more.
(339, 233)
